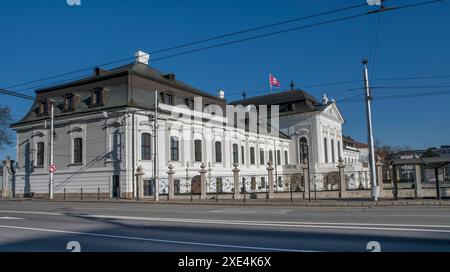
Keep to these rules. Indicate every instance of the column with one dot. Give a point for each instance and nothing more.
(170, 174)
(342, 185)
(418, 184)
(379, 167)
(140, 182)
(203, 172)
(236, 181)
(270, 178)
(306, 178)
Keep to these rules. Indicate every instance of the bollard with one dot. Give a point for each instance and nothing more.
(64, 193)
(81, 193)
(192, 195)
(217, 195)
(98, 194)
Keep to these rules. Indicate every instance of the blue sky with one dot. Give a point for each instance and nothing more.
(43, 38)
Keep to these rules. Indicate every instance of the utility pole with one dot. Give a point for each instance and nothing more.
(52, 133)
(155, 147)
(368, 95)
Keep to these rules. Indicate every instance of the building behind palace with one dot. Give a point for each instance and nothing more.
(104, 131)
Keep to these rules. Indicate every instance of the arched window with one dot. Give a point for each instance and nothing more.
(278, 157)
(218, 146)
(174, 149)
(78, 150)
(303, 149)
(339, 150)
(332, 151)
(242, 154)
(40, 154)
(198, 150)
(235, 154)
(146, 146)
(325, 148)
(252, 155)
(286, 157)
(271, 157)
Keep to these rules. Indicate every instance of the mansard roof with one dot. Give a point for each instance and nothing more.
(138, 69)
(277, 98)
(303, 101)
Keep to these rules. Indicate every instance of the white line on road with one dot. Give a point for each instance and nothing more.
(317, 225)
(10, 218)
(157, 240)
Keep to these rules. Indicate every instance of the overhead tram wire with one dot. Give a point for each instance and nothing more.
(298, 28)
(194, 43)
(252, 38)
(204, 48)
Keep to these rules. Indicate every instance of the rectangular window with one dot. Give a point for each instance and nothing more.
(97, 97)
(218, 147)
(190, 103)
(278, 157)
(252, 155)
(235, 154)
(174, 149)
(332, 151)
(325, 149)
(168, 99)
(69, 102)
(339, 150)
(242, 154)
(146, 146)
(40, 154)
(198, 150)
(286, 158)
(43, 107)
(263, 183)
(261, 157)
(271, 156)
(78, 150)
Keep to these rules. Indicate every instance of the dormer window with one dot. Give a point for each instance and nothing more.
(69, 101)
(96, 97)
(166, 98)
(190, 103)
(43, 107)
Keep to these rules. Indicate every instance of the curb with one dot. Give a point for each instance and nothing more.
(250, 203)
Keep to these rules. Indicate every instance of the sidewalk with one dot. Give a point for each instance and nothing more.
(264, 202)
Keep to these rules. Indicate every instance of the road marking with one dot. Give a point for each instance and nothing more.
(318, 225)
(10, 218)
(158, 240)
(30, 212)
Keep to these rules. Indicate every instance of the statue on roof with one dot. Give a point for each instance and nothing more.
(325, 99)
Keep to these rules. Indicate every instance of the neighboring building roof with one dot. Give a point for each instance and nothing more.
(349, 141)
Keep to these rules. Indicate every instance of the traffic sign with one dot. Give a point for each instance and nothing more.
(52, 168)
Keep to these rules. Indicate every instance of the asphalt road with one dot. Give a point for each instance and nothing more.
(111, 227)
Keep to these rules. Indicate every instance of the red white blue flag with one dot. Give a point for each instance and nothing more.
(274, 82)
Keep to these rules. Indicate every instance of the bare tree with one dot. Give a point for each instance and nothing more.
(5, 121)
(387, 153)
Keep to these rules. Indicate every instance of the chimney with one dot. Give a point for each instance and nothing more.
(221, 94)
(142, 57)
(99, 72)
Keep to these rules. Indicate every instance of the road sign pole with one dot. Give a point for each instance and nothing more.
(51, 150)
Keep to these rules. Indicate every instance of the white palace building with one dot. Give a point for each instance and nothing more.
(105, 129)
